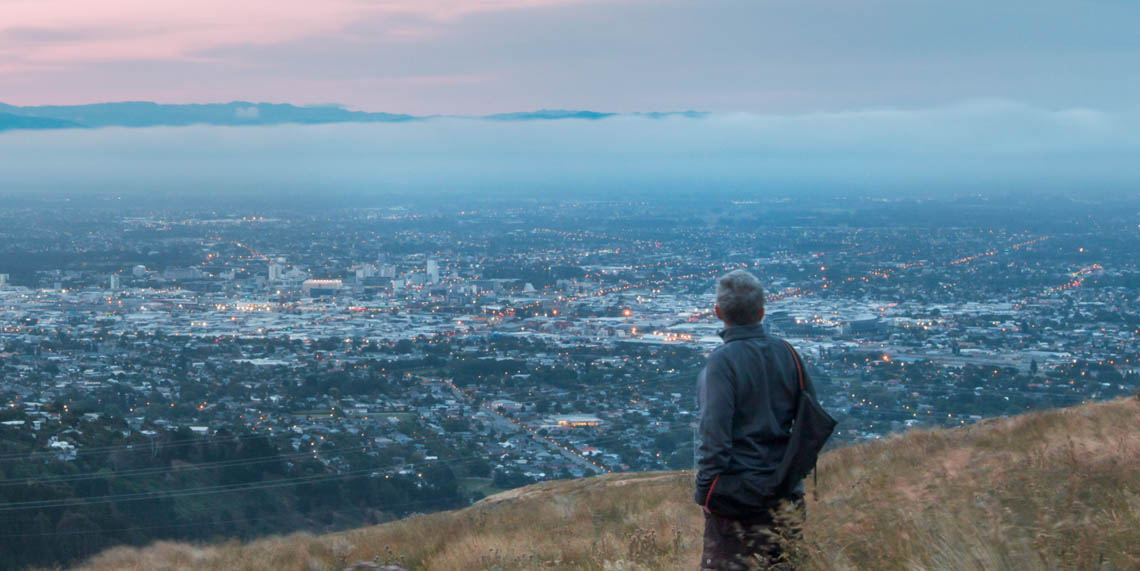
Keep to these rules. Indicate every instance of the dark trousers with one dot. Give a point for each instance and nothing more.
(755, 543)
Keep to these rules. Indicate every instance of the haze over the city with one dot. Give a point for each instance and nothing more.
(979, 146)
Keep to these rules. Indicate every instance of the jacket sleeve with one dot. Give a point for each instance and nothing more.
(716, 400)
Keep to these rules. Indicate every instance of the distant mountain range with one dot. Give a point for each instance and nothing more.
(13, 121)
(148, 114)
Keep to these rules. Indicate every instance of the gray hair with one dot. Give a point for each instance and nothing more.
(740, 297)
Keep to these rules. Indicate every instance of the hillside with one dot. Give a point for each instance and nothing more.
(1046, 490)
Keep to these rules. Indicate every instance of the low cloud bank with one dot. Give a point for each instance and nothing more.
(978, 145)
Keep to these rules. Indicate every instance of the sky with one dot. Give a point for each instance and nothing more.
(903, 96)
(486, 56)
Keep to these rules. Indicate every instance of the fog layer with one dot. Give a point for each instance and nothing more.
(981, 145)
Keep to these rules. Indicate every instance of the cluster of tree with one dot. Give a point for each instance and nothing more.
(57, 507)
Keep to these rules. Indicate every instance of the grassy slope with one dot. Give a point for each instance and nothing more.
(1047, 490)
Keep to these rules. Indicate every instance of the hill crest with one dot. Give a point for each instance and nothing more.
(1051, 489)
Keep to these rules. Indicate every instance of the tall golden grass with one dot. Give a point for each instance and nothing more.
(1046, 490)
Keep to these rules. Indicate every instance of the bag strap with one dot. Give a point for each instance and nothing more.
(799, 368)
(800, 377)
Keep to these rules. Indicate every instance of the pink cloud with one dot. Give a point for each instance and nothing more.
(426, 80)
(61, 32)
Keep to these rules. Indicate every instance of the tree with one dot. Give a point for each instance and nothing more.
(479, 468)
(507, 479)
(439, 476)
(77, 536)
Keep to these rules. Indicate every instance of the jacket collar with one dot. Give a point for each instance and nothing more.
(741, 332)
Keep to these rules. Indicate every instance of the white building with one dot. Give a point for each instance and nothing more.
(321, 285)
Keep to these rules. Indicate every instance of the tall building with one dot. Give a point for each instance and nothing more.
(116, 281)
(365, 271)
(433, 271)
(3, 280)
(274, 271)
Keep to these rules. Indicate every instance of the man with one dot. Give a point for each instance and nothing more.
(747, 394)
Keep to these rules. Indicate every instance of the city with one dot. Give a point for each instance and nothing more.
(385, 361)
(393, 285)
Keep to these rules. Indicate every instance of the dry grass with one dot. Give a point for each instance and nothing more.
(1049, 490)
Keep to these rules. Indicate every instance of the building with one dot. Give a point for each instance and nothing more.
(274, 272)
(190, 273)
(365, 271)
(3, 280)
(505, 404)
(116, 281)
(575, 420)
(433, 271)
(863, 325)
(317, 288)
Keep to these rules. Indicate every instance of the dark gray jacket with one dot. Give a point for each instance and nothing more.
(747, 397)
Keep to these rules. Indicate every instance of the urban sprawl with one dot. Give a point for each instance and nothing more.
(471, 350)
